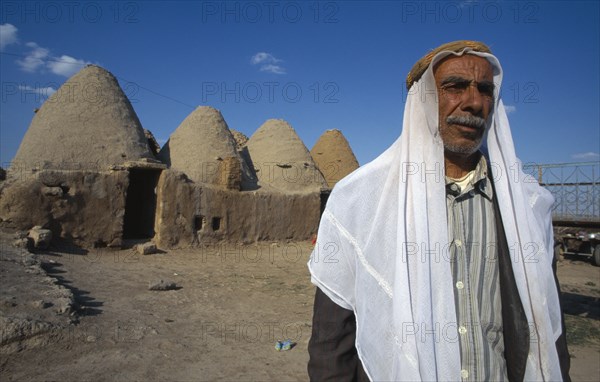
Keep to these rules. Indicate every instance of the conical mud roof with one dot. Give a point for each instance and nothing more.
(333, 156)
(88, 123)
(201, 147)
(281, 161)
(240, 139)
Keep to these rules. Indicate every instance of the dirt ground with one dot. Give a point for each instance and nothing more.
(221, 322)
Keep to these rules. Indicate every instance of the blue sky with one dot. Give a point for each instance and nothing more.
(318, 65)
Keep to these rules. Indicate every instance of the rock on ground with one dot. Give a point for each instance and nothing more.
(146, 248)
(162, 285)
(41, 237)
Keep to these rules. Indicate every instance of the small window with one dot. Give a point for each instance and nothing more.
(198, 222)
(216, 223)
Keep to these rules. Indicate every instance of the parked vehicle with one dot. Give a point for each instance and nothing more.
(581, 243)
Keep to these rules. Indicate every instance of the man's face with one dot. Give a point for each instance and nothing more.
(466, 94)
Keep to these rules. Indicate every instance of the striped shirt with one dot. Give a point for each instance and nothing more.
(473, 256)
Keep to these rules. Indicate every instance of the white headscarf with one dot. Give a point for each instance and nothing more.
(382, 248)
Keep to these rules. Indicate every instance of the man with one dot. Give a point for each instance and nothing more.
(433, 262)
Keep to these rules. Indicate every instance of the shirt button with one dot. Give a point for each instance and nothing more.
(464, 373)
(460, 285)
(454, 187)
(458, 243)
(462, 329)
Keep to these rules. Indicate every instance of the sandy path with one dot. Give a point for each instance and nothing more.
(234, 303)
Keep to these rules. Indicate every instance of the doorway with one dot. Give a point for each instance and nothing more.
(140, 204)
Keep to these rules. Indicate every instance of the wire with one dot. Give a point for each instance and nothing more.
(118, 77)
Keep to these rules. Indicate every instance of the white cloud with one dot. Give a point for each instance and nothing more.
(8, 35)
(267, 62)
(43, 91)
(264, 58)
(35, 59)
(39, 59)
(586, 156)
(66, 65)
(272, 69)
(510, 109)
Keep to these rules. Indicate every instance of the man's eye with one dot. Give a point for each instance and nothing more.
(454, 87)
(487, 90)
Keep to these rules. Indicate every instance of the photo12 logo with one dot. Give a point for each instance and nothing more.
(471, 12)
(269, 12)
(91, 92)
(269, 92)
(249, 332)
(69, 11)
(235, 253)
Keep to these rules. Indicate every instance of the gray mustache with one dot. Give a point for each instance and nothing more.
(466, 120)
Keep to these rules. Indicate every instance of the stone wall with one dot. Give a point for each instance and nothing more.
(84, 207)
(190, 214)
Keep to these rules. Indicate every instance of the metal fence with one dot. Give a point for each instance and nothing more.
(576, 189)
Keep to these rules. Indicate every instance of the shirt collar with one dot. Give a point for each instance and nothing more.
(481, 181)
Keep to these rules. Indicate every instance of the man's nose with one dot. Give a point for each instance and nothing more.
(473, 100)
